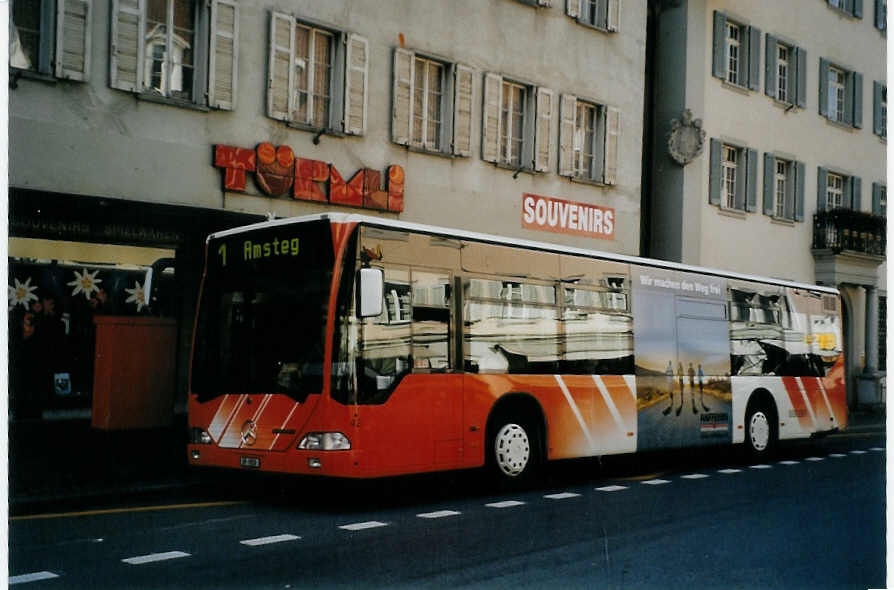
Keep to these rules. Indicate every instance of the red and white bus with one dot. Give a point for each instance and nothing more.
(354, 346)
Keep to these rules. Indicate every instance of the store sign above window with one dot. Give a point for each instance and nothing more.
(278, 172)
(567, 217)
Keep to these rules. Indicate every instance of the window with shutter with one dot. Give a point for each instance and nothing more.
(515, 115)
(431, 104)
(588, 140)
(317, 77)
(51, 38)
(604, 15)
(733, 177)
(841, 94)
(176, 51)
(781, 188)
(879, 109)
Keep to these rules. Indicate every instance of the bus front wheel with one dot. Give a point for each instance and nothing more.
(514, 450)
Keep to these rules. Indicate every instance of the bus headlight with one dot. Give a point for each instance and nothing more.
(198, 436)
(324, 441)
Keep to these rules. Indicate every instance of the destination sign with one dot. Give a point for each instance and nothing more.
(273, 249)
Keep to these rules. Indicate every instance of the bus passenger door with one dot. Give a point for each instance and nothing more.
(409, 398)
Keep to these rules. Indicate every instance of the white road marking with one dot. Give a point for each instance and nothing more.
(576, 411)
(611, 488)
(877, 449)
(504, 504)
(813, 459)
(837, 455)
(858, 452)
(362, 526)
(789, 462)
(654, 482)
(35, 577)
(729, 471)
(562, 496)
(439, 514)
(269, 540)
(153, 557)
(760, 466)
(694, 476)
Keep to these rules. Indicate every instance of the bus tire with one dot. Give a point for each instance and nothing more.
(761, 430)
(513, 450)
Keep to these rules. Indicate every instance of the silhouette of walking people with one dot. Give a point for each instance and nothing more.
(669, 383)
(701, 388)
(681, 377)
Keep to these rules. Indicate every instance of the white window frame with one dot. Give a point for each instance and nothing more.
(781, 186)
(429, 95)
(309, 64)
(64, 33)
(599, 137)
(729, 165)
(168, 68)
(837, 89)
(834, 190)
(512, 108)
(783, 66)
(733, 52)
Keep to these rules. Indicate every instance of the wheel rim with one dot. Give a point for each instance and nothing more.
(759, 431)
(512, 449)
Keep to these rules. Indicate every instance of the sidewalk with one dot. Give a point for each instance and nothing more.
(55, 463)
(64, 463)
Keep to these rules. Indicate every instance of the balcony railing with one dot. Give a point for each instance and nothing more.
(845, 229)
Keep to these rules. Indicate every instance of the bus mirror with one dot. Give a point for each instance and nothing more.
(370, 292)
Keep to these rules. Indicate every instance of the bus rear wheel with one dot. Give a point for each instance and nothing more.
(761, 432)
(514, 454)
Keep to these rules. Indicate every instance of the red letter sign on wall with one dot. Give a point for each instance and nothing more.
(278, 170)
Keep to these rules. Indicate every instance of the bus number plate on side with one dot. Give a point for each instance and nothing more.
(253, 462)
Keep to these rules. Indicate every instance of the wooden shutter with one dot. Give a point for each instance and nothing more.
(769, 184)
(857, 117)
(490, 125)
(822, 176)
(714, 180)
(614, 15)
(751, 180)
(356, 84)
(128, 24)
(73, 39)
(612, 133)
(223, 55)
(877, 107)
(567, 114)
(754, 58)
(462, 110)
(858, 8)
(823, 88)
(856, 193)
(719, 45)
(402, 105)
(281, 70)
(542, 136)
(545, 3)
(572, 8)
(880, 16)
(770, 67)
(876, 199)
(800, 173)
(801, 77)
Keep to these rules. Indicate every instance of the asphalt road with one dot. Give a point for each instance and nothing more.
(814, 517)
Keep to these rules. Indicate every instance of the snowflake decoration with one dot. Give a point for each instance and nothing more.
(136, 295)
(22, 293)
(85, 282)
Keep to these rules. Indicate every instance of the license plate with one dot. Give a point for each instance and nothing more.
(254, 462)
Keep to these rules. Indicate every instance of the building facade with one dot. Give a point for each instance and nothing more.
(137, 127)
(768, 151)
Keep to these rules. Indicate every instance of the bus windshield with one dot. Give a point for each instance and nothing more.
(262, 315)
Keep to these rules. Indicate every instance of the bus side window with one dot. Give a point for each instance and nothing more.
(431, 321)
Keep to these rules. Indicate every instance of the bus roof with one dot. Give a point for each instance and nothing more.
(493, 239)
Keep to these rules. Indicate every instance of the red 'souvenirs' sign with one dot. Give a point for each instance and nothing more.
(567, 217)
(278, 172)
